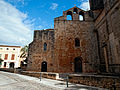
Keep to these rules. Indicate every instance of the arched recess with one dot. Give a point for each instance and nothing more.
(12, 65)
(77, 42)
(75, 11)
(44, 66)
(81, 16)
(78, 65)
(69, 15)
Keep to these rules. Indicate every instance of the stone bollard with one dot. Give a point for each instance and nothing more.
(67, 79)
(40, 76)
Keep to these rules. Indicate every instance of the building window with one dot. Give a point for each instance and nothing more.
(6, 56)
(45, 46)
(13, 57)
(77, 42)
(5, 64)
(7, 49)
(13, 48)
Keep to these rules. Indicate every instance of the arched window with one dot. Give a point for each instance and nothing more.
(45, 46)
(77, 42)
(69, 15)
(75, 11)
(81, 16)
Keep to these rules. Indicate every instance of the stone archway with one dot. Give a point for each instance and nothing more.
(78, 65)
(44, 67)
(12, 65)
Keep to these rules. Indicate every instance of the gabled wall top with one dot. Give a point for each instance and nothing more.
(74, 12)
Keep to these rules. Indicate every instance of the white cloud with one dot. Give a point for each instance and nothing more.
(15, 27)
(54, 6)
(85, 5)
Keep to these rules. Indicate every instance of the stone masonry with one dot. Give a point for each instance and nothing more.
(87, 45)
(37, 55)
(66, 31)
(107, 26)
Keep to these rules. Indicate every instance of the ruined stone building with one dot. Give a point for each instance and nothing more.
(89, 42)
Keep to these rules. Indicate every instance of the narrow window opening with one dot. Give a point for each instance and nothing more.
(45, 46)
(77, 42)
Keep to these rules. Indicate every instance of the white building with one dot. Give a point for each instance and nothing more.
(10, 56)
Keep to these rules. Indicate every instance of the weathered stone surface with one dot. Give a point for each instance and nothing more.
(37, 54)
(108, 28)
(99, 41)
(97, 81)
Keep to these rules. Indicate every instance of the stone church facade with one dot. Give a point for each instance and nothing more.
(88, 43)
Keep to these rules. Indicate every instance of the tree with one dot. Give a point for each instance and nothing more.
(23, 56)
(24, 52)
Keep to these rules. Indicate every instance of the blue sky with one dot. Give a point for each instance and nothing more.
(19, 18)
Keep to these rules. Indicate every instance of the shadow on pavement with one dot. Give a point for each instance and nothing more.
(77, 87)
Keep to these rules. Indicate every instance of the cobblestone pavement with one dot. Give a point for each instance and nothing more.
(11, 81)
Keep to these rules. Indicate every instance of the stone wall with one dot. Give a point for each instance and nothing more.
(66, 31)
(12, 70)
(112, 83)
(65, 50)
(108, 27)
(99, 41)
(96, 4)
(41, 75)
(37, 54)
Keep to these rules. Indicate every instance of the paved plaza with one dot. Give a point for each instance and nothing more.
(12, 81)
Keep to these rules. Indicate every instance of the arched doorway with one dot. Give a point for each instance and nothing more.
(44, 67)
(78, 65)
(12, 65)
